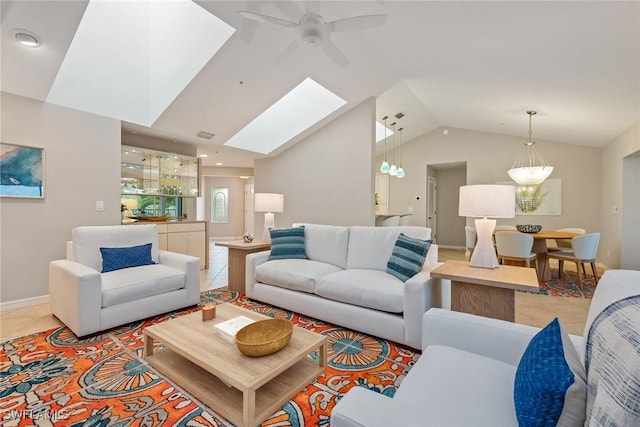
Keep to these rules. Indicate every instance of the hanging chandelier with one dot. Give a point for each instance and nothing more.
(530, 168)
(384, 167)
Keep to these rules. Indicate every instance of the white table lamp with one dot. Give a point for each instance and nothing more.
(269, 203)
(486, 201)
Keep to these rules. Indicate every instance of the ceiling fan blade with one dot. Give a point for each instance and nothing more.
(288, 51)
(357, 23)
(266, 18)
(334, 53)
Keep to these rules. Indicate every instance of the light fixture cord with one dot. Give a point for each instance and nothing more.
(385, 136)
(393, 144)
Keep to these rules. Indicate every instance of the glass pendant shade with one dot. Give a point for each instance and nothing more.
(393, 170)
(384, 167)
(530, 168)
(400, 172)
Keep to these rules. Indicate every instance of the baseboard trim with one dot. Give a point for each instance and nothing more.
(458, 248)
(26, 302)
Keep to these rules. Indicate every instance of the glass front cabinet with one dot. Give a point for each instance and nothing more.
(157, 183)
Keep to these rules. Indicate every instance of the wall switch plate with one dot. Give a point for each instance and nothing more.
(100, 205)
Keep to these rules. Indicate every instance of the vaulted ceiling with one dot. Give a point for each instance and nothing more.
(474, 65)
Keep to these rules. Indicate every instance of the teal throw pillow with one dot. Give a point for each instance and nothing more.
(287, 243)
(119, 258)
(550, 387)
(407, 257)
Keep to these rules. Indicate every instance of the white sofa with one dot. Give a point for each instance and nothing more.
(345, 282)
(88, 301)
(465, 376)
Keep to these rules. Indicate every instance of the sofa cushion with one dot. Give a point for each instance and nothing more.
(326, 243)
(119, 258)
(88, 240)
(139, 282)
(296, 274)
(452, 387)
(407, 257)
(550, 384)
(287, 243)
(371, 247)
(366, 288)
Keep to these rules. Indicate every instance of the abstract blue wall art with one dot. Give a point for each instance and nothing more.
(21, 171)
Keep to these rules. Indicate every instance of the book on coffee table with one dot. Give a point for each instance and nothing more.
(229, 328)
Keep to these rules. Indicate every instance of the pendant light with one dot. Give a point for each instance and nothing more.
(393, 170)
(400, 173)
(384, 167)
(530, 168)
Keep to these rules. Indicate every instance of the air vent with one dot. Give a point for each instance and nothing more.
(205, 135)
(399, 116)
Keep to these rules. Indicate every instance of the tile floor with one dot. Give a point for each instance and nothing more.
(535, 310)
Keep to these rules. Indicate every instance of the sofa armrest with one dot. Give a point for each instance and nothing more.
(190, 265)
(75, 295)
(363, 407)
(251, 262)
(493, 338)
(421, 293)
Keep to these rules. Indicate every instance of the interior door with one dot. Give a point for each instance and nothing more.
(248, 208)
(431, 206)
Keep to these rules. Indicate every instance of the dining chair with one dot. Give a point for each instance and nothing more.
(516, 247)
(563, 244)
(583, 250)
(471, 236)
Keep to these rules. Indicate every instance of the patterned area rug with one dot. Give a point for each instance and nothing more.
(568, 287)
(52, 377)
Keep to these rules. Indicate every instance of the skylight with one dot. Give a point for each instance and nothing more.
(130, 59)
(380, 132)
(301, 108)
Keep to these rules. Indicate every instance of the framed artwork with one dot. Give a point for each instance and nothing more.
(21, 171)
(543, 199)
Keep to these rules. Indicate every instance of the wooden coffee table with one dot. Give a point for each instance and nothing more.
(485, 291)
(245, 390)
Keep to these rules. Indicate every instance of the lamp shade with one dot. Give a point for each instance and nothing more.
(490, 201)
(269, 202)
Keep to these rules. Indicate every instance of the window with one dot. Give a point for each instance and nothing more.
(220, 205)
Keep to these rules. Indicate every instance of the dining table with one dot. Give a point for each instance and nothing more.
(541, 249)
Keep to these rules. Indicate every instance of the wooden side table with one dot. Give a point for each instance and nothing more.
(238, 251)
(484, 291)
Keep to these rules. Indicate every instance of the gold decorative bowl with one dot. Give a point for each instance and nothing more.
(264, 337)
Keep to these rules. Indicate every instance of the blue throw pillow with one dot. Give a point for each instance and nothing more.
(119, 258)
(287, 243)
(407, 257)
(550, 387)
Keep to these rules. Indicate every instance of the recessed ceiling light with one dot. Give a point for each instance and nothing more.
(218, 164)
(244, 177)
(204, 156)
(26, 37)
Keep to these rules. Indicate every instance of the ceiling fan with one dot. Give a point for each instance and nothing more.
(314, 30)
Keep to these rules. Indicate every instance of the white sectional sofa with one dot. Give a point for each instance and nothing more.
(345, 282)
(467, 371)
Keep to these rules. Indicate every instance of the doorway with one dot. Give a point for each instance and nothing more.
(248, 208)
(432, 198)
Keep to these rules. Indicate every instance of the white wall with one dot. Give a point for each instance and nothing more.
(488, 157)
(82, 165)
(612, 239)
(326, 178)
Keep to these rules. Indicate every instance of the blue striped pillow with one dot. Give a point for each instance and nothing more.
(407, 257)
(287, 243)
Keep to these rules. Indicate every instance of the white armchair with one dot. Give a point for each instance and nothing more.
(88, 300)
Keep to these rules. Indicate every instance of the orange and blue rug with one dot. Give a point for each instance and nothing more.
(568, 287)
(53, 378)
